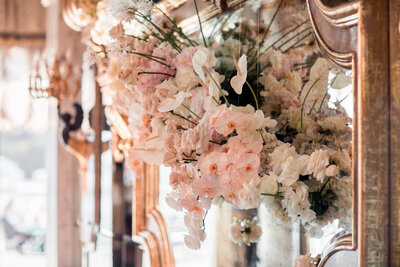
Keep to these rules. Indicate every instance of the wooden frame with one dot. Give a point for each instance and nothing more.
(356, 35)
(359, 35)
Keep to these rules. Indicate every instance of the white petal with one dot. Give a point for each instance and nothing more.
(238, 81)
(192, 242)
(172, 103)
(198, 61)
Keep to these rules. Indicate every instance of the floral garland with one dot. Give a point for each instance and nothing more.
(248, 131)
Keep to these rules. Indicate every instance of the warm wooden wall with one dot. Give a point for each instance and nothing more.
(22, 21)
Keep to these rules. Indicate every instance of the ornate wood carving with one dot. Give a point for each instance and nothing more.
(148, 225)
(355, 35)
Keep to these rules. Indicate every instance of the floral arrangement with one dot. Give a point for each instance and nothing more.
(237, 119)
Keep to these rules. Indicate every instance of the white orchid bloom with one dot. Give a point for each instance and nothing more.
(203, 58)
(238, 81)
(173, 102)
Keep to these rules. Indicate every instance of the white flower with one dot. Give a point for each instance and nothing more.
(341, 80)
(184, 78)
(119, 9)
(317, 165)
(296, 202)
(238, 81)
(194, 226)
(249, 196)
(203, 58)
(213, 82)
(269, 184)
(171, 201)
(292, 168)
(332, 170)
(245, 231)
(173, 102)
(235, 231)
(280, 155)
(294, 82)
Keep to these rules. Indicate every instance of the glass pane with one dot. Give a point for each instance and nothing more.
(254, 123)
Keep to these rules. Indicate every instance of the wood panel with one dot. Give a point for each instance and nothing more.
(369, 20)
(22, 21)
(373, 125)
(394, 186)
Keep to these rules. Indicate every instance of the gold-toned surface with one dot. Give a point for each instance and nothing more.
(394, 187)
(371, 153)
(373, 125)
(190, 23)
(78, 14)
(63, 82)
(148, 225)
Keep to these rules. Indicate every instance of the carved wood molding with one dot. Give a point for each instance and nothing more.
(149, 228)
(336, 31)
(148, 225)
(190, 24)
(78, 14)
(355, 35)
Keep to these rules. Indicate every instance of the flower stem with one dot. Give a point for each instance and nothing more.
(294, 36)
(283, 36)
(216, 101)
(322, 102)
(150, 72)
(220, 28)
(304, 101)
(215, 142)
(173, 113)
(176, 27)
(324, 185)
(254, 95)
(204, 219)
(299, 41)
(219, 87)
(173, 44)
(186, 107)
(271, 195)
(154, 58)
(201, 28)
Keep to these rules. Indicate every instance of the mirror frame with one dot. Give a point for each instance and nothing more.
(357, 35)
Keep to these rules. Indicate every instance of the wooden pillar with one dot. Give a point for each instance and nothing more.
(60, 39)
(373, 138)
